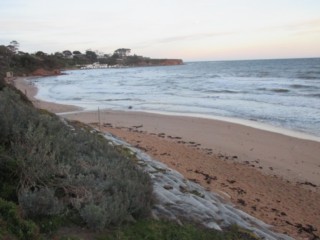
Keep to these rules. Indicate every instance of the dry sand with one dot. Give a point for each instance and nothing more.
(272, 176)
(292, 158)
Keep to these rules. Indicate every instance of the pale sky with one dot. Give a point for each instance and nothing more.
(187, 29)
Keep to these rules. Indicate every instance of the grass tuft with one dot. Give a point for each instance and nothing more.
(155, 230)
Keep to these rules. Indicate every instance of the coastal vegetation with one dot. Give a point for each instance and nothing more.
(55, 173)
(51, 168)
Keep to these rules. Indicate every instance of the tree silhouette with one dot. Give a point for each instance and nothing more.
(122, 52)
(14, 46)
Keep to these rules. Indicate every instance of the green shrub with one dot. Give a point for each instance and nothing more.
(155, 230)
(70, 238)
(40, 202)
(8, 178)
(2, 83)
(15, 224)
(60, 166)
(50, 224)
(95, 216)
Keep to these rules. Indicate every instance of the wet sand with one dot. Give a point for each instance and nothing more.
(25, 85)
(271, 176)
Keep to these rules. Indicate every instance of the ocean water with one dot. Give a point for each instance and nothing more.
(281, 93)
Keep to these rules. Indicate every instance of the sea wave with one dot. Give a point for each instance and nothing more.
(316, 95)
(300, 86)
(307, 77)
(276, 90)
(223, 91)
(121, 99)
(280, 90)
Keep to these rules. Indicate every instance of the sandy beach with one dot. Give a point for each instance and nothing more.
(270, 175)
(27, 87)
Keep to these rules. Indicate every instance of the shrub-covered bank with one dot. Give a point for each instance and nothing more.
(50, 167)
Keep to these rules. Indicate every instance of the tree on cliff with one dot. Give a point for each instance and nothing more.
(122, 52)
(5, 52)
(58, 54)
(133, 60)
(40, 54)
(76, 52)
(5, 56)
(67, 53)
(91, 55)
(14, 46)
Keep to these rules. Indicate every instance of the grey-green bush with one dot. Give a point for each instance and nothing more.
(66, 167)
(42, 199)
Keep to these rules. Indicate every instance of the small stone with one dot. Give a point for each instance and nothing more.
(242, 202)
(167, 187)
(283, 214)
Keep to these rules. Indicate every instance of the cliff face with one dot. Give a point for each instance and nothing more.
(157, 62)
(43, 72)
(164, 62)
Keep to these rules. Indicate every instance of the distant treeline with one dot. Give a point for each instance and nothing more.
(11, 59)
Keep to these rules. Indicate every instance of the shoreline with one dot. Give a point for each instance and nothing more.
(291, 158)
(271, 176)
(254, 123)
(30, 90)
(242, 122)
